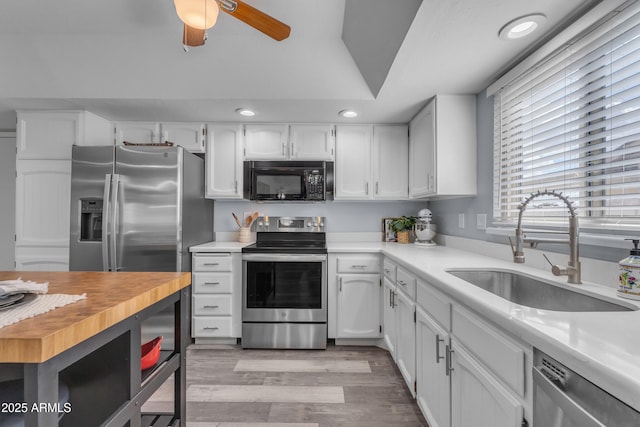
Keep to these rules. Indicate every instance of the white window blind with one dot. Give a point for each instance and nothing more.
(572, 124)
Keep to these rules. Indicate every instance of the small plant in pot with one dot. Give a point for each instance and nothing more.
(402, 227)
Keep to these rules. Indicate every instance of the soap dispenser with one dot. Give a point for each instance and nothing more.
(629, 273)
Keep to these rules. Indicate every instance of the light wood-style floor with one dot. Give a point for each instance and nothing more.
(340, 386)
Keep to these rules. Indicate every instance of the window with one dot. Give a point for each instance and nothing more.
(572, 124)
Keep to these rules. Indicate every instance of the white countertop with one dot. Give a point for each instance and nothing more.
(603, 347)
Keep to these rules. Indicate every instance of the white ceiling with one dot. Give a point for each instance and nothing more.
(123, 59)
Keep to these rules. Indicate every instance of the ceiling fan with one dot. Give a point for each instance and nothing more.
(199, 15)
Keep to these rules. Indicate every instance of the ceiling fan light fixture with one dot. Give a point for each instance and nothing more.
(246, 112)
(200, 14)
(521, 27)
(348, 114)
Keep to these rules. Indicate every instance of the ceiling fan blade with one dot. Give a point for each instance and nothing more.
(192, 36)
(257, 19)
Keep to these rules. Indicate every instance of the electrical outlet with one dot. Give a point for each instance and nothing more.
(461, 220)
(481, 221)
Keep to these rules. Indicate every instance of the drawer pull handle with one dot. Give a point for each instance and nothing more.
(358, 266)
(438, 341)
(211, 328)
(212, 283)
(402, 283)
(211, 263)
(211, 306)
(386, 270)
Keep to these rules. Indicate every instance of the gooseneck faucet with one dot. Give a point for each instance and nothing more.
(572, 270)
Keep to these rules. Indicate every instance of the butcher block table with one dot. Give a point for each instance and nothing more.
(93, 346)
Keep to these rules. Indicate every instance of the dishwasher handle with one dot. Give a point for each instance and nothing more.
(576, 413)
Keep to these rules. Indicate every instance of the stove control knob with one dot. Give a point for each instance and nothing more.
(321, 224)
(260, 223)
(309, 224)
(315, 224)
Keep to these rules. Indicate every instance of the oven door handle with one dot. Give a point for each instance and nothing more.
(284, 257)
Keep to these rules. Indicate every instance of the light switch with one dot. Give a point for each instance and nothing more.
(481, 221)
(461, 220)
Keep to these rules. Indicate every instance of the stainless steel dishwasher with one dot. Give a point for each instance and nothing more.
(562, 398)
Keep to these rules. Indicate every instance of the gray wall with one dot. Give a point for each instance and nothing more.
(446, 212)
(343, 217)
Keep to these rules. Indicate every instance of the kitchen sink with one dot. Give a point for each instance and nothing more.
(536, 293)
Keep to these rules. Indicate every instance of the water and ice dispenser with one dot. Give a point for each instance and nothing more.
(91, 220)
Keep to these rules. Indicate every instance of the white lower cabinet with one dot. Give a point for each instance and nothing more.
(358, 306)
(433, 388)
(477, 398)
(217, 296)
(465, 371)
(389, 316)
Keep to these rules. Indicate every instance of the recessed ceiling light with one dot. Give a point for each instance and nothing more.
(522, 26)
(349, 114)
(245, 112)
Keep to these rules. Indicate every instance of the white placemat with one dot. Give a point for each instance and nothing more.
(41, 304)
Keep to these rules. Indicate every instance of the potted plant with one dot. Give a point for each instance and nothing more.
(402, 226)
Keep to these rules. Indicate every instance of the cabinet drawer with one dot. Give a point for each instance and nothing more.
(212, 262)
(212, 305)
(212, 283)
(406, 281)
(211, 327)
(389, 269)
(434, 303)
(359, 264)
(504, 357)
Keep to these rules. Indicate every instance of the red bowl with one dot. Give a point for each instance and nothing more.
(150, 353)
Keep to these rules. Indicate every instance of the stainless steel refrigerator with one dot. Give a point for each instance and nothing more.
(137, 209)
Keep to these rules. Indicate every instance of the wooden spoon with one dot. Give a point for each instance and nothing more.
(247, 221)
(237, 220)
(254, 216)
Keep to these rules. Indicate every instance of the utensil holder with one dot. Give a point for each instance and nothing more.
(244, 235)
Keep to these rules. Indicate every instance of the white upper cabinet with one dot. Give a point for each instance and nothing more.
(442, 148)
(138, 133)
(51, 134)
(371, 162)
(191, 136)
(311, 142)
(224, 161)
(284, 142)
(266, 142)
(390, 162)
(353, 163)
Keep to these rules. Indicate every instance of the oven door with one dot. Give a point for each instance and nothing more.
(284, 288)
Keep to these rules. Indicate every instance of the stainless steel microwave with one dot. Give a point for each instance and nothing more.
(288, 181)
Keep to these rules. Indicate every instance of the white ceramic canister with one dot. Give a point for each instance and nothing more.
(629, 274)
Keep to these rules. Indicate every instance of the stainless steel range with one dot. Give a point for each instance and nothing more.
(284, 300)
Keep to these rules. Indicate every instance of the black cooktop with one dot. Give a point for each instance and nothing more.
(288, 242)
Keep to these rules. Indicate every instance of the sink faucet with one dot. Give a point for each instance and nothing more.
(572, 270)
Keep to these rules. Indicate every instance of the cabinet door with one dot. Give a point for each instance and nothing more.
(311, 142)
(191, 136)
(390, 162)
(359, 306)
(406, 339)
(353, 163)
(47, 135)
(266, 142)
(224, 161)
(477, 399)
(138, 132)
(43, 197)
(422, 166)
(433, 392)
(389, 316)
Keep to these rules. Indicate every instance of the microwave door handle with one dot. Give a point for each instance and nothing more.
(106, 222)
(114, 222)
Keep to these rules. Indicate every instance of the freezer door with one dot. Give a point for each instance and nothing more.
(89, 167)
(147, 214)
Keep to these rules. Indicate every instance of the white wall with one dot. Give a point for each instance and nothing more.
(8, 197)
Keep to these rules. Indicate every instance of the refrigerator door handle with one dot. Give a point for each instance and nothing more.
(113, 253)
(106, 223)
